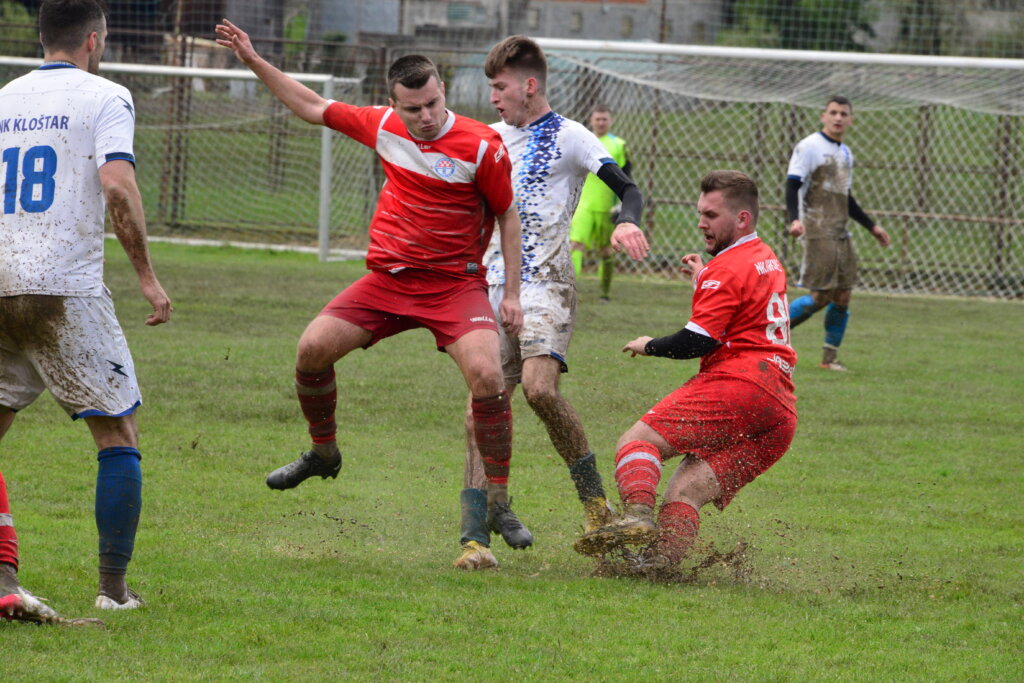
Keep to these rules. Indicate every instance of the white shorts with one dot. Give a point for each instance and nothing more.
(72, 346)
(549, 314)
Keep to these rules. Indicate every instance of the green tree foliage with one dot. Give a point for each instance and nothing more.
(797, 24)
(19, 36)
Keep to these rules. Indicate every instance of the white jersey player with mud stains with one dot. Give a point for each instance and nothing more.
(66, 155)
(66, 122)
(551, 158)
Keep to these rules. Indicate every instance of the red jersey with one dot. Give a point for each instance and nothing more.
(437, 207)
(740, 300)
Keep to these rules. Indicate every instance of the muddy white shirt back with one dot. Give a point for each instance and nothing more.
(58, 125)
(825, 167)
(551, 158)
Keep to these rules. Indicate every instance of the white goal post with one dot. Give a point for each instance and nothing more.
(183, 182)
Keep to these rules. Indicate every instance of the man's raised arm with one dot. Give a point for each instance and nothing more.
(305, 103)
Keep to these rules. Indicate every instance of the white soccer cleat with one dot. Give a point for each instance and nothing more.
(476, 556)
(134, 601)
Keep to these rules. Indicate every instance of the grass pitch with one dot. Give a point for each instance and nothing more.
(886, 545)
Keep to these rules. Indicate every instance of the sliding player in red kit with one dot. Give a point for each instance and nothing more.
(733, 419)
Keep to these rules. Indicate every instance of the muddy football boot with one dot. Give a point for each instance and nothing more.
(133, 601)
(598, 513)
(501, 520)
(308, 465)
(635, 527)
(475, 556)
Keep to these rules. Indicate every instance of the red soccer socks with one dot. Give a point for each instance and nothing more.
(318, 397)
(492, 427)
(8, 539)
(678, 524)
(637, 473)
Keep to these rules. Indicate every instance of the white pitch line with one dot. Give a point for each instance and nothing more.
(336, 254)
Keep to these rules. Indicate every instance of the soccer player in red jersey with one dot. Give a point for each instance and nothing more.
(736, 416)
(448, 178)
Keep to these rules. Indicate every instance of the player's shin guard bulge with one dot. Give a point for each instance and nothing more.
(118, 506)
(492, 427)
(318, 398)
(678, 524)
(637, 473)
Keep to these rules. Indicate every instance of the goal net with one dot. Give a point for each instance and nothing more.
(938, 143)
(218, 157)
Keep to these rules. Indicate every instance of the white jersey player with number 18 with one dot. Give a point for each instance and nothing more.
(66, 157)
(63, 124)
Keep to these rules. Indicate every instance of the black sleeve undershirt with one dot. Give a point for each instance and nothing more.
(793, 198)
(681, 345)
(626, 190)
(858, 214)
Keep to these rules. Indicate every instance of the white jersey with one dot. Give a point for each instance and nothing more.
(58, 125)
(825, 167)
(551, 158)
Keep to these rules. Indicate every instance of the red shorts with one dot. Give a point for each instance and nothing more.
(733, 425)
(388, 303)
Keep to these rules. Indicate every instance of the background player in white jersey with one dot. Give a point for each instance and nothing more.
(819, 201)
(551, 158)
(68, 156)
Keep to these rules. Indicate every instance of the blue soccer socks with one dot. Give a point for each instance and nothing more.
(118, 505)
(801, 309)
(836, 317)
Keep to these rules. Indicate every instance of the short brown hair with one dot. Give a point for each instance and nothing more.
(839, 99)
(65, 24)
(737, 188)
(518, 53)
(411, 71)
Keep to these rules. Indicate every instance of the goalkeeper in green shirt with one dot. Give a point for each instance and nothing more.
(593, 222)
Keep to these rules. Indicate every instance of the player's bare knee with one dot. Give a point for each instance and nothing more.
(312, 355)
(484, 381)
(544, 399)
(110, 432)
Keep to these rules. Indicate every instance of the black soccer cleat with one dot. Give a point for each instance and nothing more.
(308, 465)
(501, 520)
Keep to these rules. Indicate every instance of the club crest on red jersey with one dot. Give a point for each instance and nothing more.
(444, 167)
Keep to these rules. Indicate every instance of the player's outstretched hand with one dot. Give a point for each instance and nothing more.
(630, 237)
(160, 302)
(796, 228)
(231, 36)
(511, 316)
(636, 347)
(692, 263)
(881, 235)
